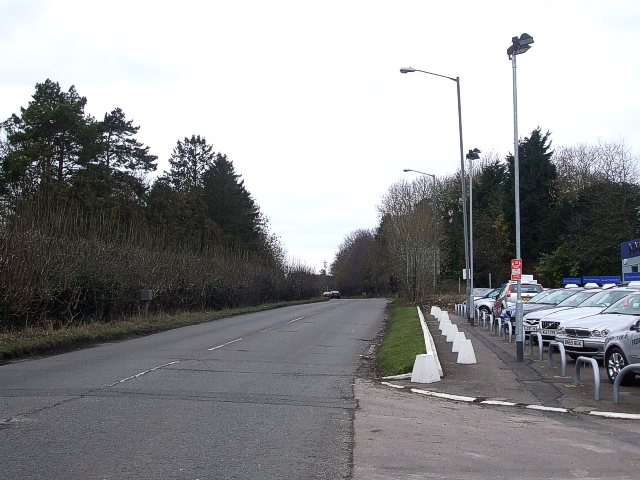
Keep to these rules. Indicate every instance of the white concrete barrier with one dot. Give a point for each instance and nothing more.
(425, 369)
(466, 355)
(452, 331)
(444, 321)
(443, 315)
(435, 311)
(457, 341)
(429, 344)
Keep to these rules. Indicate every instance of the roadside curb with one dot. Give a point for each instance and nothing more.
(500, 403)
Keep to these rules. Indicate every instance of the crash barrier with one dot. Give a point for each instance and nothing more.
(633, 367)
(456, 342)
(428, 341)
(596, 374)
(435, 311)
(540, 344)
(563, 357)
(444, 321)
(466, 355)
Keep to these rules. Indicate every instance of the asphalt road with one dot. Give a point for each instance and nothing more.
(265, 395)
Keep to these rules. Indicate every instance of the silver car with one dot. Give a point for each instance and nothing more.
(586, 336)
(594, 305)
(622, 347)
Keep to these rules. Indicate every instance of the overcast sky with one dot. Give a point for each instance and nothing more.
(306, 98)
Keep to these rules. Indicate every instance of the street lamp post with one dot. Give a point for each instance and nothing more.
(518, 46)
(471, 156)
(462, 179)
(435, 224)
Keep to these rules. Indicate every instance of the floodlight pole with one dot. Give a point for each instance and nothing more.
(470, 310)
(518, 46)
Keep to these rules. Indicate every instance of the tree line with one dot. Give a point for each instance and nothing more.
(577, 204)
(85, 225)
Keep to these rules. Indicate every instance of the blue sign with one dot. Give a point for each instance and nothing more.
(630, 249)
(601, 279)
(571, 280)
(631, 276)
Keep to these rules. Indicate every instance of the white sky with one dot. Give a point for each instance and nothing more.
(305, 97)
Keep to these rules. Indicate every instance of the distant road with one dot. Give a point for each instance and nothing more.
(260, 396)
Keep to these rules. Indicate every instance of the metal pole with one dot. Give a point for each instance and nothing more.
(435, 236)
(471, 224)
(464, 210)
(516, 172)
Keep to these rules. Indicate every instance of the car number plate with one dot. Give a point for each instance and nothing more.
(526, 299)
(573, 343)
(529, 328)
(548, 331)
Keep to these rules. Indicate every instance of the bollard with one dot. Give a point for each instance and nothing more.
(563, 357)
(596, 374)
(540, 344)
(635, 367)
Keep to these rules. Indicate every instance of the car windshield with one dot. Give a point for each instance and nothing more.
(577, 299)
(541, 296)
(528, 289)
(605, 299)
(481, 292)
(629, 305)
(558, 296)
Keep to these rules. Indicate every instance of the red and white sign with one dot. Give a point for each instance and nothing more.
(516, 269)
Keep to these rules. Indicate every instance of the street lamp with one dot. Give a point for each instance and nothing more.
(435, 225)
(464, 190)
(518, 46)
(472, 155)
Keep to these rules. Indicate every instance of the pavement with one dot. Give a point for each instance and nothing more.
(498, 378)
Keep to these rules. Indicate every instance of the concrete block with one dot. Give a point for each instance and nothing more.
(435, 311)
(425, 369)
(452, 331)
(457, 341)
(466, 355)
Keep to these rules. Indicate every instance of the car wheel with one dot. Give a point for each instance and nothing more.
(614, 362)
(484, 312)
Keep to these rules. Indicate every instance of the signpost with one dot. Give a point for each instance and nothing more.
(516, 269)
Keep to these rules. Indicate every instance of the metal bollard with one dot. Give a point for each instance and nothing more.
(635, 367)
(596, 374)
(563, 357)
(540, 344)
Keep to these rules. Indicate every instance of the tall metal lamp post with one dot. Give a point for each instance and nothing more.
(518, 47)
(464, 190)
(435, 224)
(471, 156)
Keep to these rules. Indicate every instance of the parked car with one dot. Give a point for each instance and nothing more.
(485, 304)
(622, 347)
(592, 306)
(586, 336)
(531, 320)
(508, 295)
(549, 301)
(335, 294)
(326, 294)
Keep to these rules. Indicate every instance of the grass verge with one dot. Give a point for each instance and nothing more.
(41, 341)
(403, 341)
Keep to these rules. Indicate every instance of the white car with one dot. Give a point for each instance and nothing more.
(622, 347)
(594, 305)
(586, 336)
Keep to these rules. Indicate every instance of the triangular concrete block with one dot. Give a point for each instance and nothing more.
(452, 331)
(466, 355)
(425, 369)
(457, 341)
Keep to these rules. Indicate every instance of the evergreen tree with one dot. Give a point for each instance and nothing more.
(231, 207)
(189, 160)
(48, 139)
(537, 197)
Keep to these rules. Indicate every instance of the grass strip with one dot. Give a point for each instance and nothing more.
(403, 341)
(41, 341)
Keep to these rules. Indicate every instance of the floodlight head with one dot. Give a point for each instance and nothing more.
(473, 154)
(407, 70)
(525, 39)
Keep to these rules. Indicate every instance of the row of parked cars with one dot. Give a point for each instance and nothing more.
(598, 322)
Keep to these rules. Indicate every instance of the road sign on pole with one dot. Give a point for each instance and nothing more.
(516, 269)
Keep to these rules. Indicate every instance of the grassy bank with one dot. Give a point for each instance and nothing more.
(403, 341)
(32, 342)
